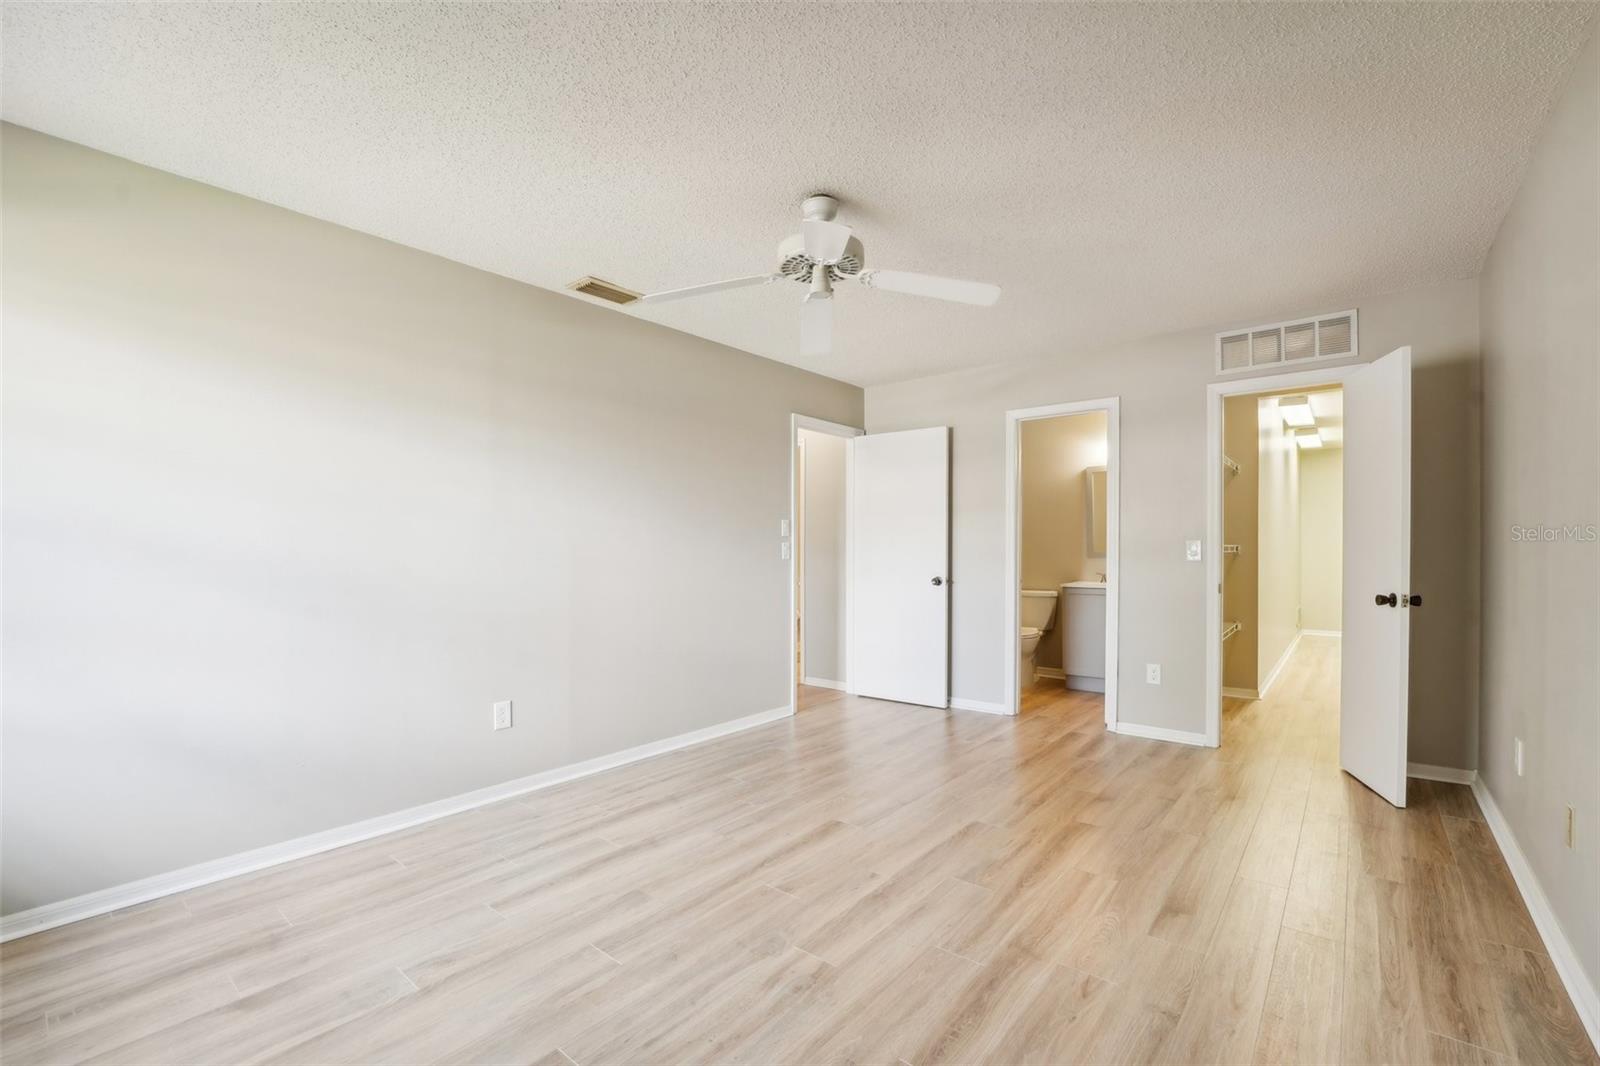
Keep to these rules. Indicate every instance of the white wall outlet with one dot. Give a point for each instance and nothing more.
(783, 527)
(502, 714)
(1517, 754)
(784, 551)
(1152, 673)
(1191, 551)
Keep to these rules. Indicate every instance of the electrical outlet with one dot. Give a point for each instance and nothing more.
(1191, 550)
(1152, 673)
(1572, 816)
(783, 527)
(784, 551)
(1517, 748)
(502, 714)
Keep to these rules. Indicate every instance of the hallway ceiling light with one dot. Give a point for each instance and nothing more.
(1296, 411)
(1308, 438)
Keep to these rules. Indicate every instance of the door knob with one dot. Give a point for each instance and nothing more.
(938, 581)
(1388, 601)
(1414, 600)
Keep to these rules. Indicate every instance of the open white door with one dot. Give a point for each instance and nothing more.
(900, 550)
(1375, 659)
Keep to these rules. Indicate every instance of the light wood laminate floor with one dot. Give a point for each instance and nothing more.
(869, 882)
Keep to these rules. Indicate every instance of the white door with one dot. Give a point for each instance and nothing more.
(1374, 666)
(900, 579)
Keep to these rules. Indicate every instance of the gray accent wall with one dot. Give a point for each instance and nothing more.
(1541, 478)
(288, 506)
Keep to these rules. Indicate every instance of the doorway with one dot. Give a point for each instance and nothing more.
(1257, 593)
(817, 544)
(1078, 476)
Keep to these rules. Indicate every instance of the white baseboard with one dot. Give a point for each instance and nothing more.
(50, 915)
(1321, 633)
(1447, 774)
(1241, 693)
(1277, 668)
(1150, 732)
(983, 706)
(823, 682)
(1580, 985)
(1079, 683)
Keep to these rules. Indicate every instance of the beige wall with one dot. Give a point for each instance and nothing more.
(1541, 385)
(1056, 541)
(1321, 539)
(1277, 542)
(287, 507)
(823, 546)
(1161, 381)
(1241, 504)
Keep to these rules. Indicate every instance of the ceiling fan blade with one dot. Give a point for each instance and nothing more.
(966, 292)
(816, 326)
(825, 241)
(697, 290)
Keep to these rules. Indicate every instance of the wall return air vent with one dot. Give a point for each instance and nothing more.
(1304, 340)
(601, 289)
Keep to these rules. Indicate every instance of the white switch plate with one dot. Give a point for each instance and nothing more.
(785, 550)
(1191, 551)
(783, 527)
(1152, 673)
(1518, 748)
(502, 714)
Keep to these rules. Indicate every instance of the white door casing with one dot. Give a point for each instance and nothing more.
(900, 564)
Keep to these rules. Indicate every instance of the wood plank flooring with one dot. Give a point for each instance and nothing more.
(868, 882)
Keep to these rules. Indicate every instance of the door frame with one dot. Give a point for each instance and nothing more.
(1216, 392)
(797, 422)
(1112, 406)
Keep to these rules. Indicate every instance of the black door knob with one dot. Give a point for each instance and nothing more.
(1390, 600)
(938, 581)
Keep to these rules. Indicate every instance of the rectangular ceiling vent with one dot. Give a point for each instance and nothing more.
(1303, 340)
(601, 289)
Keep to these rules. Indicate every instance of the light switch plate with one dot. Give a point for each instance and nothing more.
(785, 551)
(783, 527)
(1191, 551)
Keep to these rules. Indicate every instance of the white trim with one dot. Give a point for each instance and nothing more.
(1321, 633)
(1277, 669)
(50, 915)
(1215, 392)
(1112, 406)
(797, 422)
(823, 682)
(982, 706)
(1448, 774)
(1240, 693)
(1580, 986)
(1151, 732)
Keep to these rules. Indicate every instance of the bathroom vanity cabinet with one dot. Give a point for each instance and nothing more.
(1082, 622)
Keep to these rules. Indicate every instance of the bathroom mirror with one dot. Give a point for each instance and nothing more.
(1094, 484)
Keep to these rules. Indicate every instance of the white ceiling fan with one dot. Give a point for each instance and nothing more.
(823, 252)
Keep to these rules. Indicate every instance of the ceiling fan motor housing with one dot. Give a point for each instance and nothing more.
(796, 265)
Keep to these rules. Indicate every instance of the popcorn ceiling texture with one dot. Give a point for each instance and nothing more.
(1121, 170)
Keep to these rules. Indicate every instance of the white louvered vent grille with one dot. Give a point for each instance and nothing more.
(1331, 336)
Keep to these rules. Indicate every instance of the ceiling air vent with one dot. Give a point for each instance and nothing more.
(1331, 336)
(604, 290)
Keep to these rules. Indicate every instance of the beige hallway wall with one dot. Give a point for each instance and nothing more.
(288, 506)
(1277, 542)
(1321, 538)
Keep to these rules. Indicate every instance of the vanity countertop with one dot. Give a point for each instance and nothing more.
(1101, 585)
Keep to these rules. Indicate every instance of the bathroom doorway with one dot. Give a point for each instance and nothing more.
(1062, 565)
(817, 545)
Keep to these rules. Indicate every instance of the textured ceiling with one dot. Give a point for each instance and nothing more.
(1120, 170)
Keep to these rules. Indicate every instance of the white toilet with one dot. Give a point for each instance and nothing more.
(1038, 612)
